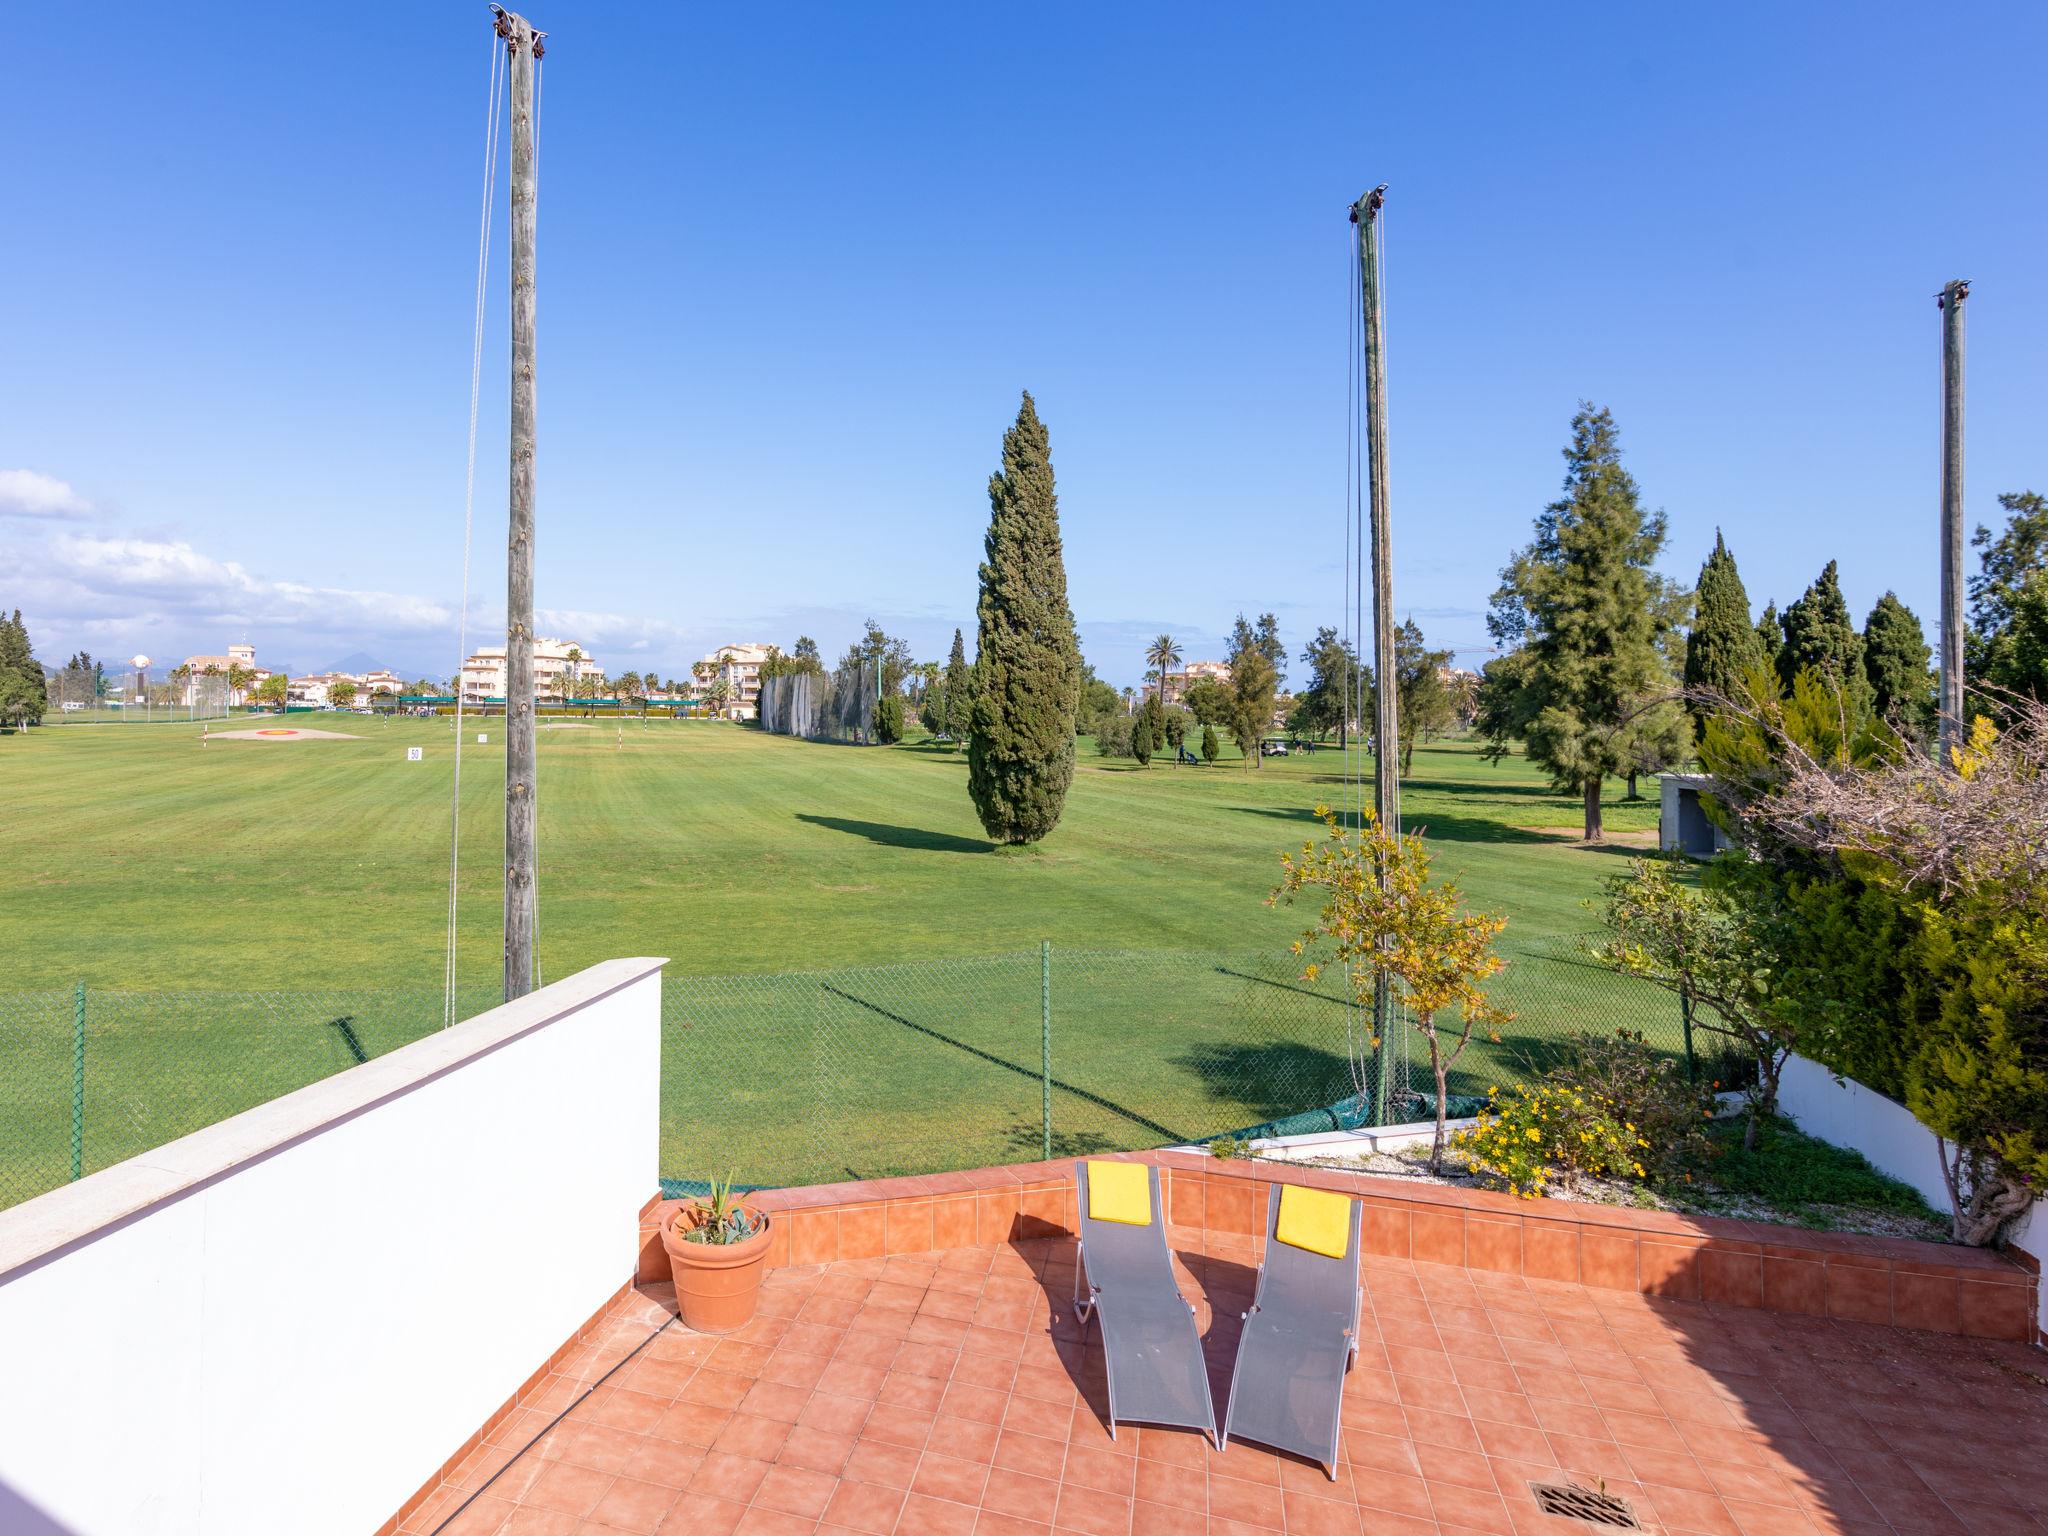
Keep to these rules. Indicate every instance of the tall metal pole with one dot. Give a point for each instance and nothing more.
(1951, 302)
(520, 919)
(1386, 735)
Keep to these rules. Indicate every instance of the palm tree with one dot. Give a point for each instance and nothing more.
(574, 657)
(1163, 653)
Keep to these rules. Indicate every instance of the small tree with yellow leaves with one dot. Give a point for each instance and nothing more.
(1383, 918)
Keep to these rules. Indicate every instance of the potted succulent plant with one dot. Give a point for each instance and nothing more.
(717, 1247)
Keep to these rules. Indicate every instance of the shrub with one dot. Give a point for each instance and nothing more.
(1211, 747)
(1113, 736)
(1547, 1132)
(1644, 1091)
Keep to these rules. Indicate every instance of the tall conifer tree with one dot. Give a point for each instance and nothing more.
(1770, 635)
(959, 690)
(1589, 611)
(1820, 634)
(1021, 758)
(1723, 645)
(1895, 660)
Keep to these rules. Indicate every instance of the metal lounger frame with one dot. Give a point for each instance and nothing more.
(1147, 1246)
(1282, 1255)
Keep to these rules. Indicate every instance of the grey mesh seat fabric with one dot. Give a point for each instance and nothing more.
(1157, 1374)
(1299, 1340)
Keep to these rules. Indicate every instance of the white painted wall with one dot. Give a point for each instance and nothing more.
(1848, 1114)
(288, 1321)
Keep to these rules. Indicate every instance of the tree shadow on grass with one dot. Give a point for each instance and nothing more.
(1443, 827)
(900, 837)
(1018, 1068)
(1272, 1079)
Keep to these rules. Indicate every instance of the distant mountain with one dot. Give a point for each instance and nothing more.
(359, 662)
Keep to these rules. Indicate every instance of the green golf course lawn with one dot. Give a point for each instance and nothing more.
(145, 860)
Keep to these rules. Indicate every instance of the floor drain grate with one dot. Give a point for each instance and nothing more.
(1584, 1504)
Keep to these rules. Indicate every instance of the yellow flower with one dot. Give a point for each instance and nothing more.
(1534, 1134)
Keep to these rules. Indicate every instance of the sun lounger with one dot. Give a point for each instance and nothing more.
(1156, 1371)
(1301, 1334)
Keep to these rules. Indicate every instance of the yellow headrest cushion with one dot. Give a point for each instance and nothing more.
(1120, 1192)
(1318, 1220)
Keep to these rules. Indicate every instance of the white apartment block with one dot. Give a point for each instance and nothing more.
(1178, 678)
(739, 666)
(561, 670)
(315, 692)
(198, 667)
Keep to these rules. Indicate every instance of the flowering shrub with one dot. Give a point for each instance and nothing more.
(1646, 1092)
(1545, 1133)
(1611, 1108)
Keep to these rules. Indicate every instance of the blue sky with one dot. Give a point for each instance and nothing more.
(798, 261)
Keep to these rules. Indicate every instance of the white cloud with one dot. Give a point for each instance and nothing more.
(30, 493)
(111, 592)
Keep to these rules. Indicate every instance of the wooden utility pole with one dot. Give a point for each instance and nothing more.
(1951, 302)
(525, 47)
(1386, 733)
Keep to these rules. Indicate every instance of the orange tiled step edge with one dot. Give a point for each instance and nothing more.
(1217, 1208)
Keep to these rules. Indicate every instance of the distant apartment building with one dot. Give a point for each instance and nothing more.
(561, 670)
(316, 691)
(198, 668)
(1178, 678)
(739, 667)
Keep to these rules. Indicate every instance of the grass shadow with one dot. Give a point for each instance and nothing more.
(1016, 1067)
(887, 836)
(1444, 828)
(1274, 1079)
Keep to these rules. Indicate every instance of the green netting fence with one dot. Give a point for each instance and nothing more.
(809, 1077)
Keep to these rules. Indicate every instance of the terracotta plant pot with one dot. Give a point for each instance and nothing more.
(716, 1283)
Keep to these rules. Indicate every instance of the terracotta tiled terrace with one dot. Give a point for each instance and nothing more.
(950, 1394)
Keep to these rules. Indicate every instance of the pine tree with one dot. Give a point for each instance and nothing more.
(959, 691)
(1589, 611)
(2007, 650)
(1820, 634)
(23, 689)
(1895, 660)
(1424, 708)
(1724, 645)
(1770, 635)
(1021, 758)
(1253, 682)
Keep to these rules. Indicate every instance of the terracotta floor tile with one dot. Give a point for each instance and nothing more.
(1022, 1496)
(568, 1488)
(953, 1395)
(934, 1517)
(629, 1505)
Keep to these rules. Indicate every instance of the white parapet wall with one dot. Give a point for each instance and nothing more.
(1843, 1111)
(290, 1320)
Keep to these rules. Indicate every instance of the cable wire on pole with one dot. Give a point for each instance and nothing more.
(492, 124)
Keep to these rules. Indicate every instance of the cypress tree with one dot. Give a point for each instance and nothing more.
(1770, 635)
(1724, 644)
(1820, 634)
(1589, 610)
(1021, 758)
(959, 689)
(1895, 660)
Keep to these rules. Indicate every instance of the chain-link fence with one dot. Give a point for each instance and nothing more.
(938, 1065)
(817, 1076)
(89, 1077)
(101, 695)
